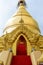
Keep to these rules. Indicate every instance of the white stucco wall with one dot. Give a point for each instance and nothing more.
(35, 56)
(4, 56)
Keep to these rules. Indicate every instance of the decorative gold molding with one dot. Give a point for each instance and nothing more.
(9, 38)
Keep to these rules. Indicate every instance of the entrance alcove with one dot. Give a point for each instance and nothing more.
(21, 46)
(21, 50)
(22, 43)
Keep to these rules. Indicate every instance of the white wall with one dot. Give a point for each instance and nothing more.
(4, 56)
(35, 56)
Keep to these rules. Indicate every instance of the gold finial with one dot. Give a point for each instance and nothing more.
(21, 2)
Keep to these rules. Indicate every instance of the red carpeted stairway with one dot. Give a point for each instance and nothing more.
(21, 49)
(21, 60)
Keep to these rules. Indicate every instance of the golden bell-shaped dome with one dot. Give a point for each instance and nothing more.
(22, 13)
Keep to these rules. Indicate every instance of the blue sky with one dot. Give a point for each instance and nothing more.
(8, 8)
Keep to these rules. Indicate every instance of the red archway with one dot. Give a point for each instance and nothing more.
(21, 46)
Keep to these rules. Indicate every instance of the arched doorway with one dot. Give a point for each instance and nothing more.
(21, 46)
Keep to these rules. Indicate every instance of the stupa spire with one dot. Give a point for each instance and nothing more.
(21, 2)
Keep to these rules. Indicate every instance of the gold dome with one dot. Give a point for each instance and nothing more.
(22, 13)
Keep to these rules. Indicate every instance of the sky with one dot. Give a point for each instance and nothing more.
(9, 7)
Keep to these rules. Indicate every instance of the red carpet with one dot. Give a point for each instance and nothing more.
(21, 60)
(21, 49)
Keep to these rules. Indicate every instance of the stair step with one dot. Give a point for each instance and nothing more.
(21, 60)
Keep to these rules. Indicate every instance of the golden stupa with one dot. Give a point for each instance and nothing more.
(21, 29)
